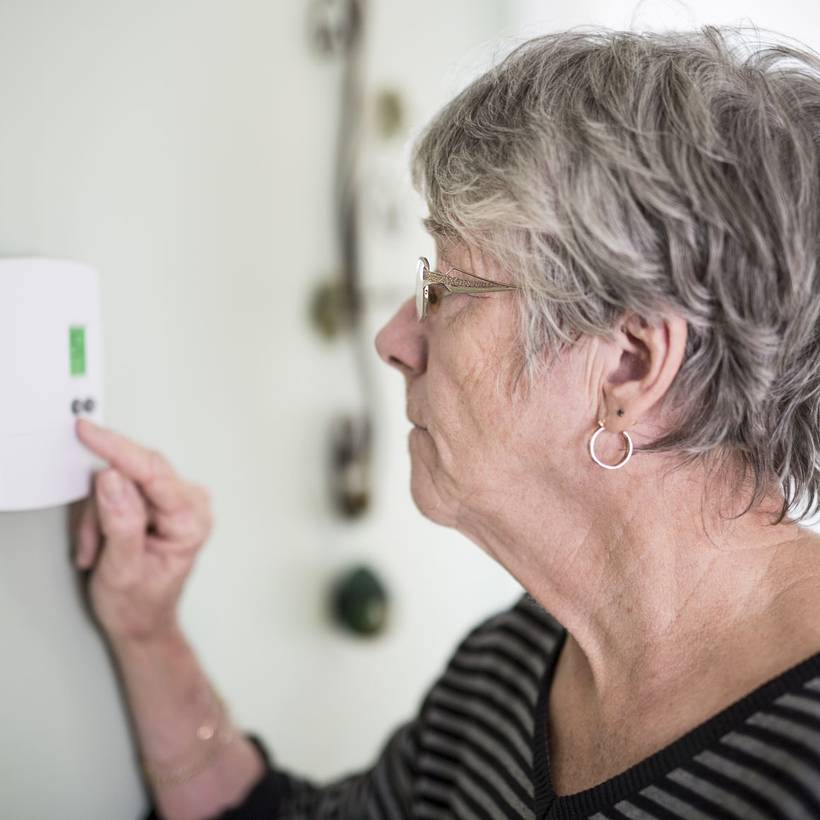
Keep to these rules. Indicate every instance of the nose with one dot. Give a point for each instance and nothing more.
(401, 342)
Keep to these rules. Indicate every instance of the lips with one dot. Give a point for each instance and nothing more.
(412, 416)
(414, 422)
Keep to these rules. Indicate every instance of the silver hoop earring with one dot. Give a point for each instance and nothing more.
(597, 460)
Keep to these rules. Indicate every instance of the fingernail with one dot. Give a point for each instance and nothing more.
(113, 488)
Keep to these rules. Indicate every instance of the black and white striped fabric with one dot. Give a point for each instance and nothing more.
(478, 749)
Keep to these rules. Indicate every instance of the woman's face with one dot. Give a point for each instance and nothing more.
(482, 443)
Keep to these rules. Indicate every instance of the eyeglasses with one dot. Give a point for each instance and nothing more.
(432, 286)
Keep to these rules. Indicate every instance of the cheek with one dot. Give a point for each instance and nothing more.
(472, 362)
(469, 402)
(484, 377)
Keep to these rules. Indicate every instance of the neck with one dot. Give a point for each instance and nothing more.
(652, 589)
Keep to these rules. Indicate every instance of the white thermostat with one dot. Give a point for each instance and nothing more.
(51, 372)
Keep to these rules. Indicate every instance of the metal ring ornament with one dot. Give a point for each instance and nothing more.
(597, 460)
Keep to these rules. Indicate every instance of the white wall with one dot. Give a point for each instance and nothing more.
(185, 150)
(799, 19)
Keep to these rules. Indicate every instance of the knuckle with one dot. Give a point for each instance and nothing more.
(158, 465)
(125, 526)
(202, 500)
(99, 480)
(122, 579)
(193, 527)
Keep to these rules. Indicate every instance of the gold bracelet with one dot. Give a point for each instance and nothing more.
(213, 736)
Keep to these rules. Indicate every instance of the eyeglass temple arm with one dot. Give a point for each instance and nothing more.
(449, 283)
(477, 288)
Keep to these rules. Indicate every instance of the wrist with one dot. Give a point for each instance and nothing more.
(213, 734)
(167, 639)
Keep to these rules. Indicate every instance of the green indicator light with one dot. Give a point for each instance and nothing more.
(76, 347)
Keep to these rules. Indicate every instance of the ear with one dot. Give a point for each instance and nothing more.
(646, 360)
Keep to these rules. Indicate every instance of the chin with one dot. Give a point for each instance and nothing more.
(427, 500)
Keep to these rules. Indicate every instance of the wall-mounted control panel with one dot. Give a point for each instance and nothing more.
(50, 372)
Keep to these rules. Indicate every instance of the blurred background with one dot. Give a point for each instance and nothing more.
(227, 166)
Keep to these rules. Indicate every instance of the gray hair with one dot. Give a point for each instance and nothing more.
(616, 171)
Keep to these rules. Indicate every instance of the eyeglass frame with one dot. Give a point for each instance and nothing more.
(452, 284)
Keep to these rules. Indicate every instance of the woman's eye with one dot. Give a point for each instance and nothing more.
(434, 296)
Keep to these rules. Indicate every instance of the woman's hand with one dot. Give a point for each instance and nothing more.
(139, 533)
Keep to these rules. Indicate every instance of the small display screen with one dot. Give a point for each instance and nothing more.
(76, 347)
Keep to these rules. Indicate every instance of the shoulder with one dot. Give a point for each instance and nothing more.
(506, 653)
(525, 621)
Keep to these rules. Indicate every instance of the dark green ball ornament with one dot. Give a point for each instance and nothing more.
(359, 601)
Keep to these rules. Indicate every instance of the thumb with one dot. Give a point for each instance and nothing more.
(123, 520)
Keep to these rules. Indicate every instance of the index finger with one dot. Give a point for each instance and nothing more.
(146, 467)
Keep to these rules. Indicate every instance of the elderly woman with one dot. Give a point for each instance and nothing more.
(613, 372)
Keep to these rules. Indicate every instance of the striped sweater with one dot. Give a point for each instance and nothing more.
(478, 748)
